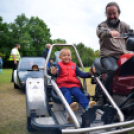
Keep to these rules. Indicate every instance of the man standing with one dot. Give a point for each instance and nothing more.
(111, 49)
(14, 58)
(45, 52)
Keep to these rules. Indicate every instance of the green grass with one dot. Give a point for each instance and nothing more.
(5, 76)
(13, 105)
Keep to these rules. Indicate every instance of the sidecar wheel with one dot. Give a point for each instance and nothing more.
(16, 86)
(29, 126)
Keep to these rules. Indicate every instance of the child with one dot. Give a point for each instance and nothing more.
(67, 81)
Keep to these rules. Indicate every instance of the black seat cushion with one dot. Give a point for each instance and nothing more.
(98, 66)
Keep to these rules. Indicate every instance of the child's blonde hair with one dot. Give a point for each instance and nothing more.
(64, 49)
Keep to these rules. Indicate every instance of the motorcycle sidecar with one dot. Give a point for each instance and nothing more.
(45, 112)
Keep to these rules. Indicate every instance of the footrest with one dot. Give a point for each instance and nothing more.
(45, 120)
(46, 125)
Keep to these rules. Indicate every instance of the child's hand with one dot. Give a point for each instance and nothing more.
(92, 70)
(54, 70)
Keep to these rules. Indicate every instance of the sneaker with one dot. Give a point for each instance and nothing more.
(74, 106)
(92, 103)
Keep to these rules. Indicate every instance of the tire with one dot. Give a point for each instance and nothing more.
(16, 86)
(29, 126)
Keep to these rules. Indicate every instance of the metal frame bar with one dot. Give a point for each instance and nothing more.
(78, 57)
(129, 97)
(129, 105)
(76, 123)
(121, 116)
(90, 129)
(62, 98)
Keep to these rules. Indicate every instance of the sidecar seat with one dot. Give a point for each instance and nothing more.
(53, 93)
(56, 99)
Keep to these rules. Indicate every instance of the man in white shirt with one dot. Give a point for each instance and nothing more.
(14, 58)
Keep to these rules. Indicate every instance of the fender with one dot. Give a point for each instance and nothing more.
(36, 99)
(123, 58)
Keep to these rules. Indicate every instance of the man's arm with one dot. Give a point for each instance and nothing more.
(14, 52)
(102, 32)
(14, 58)
(106, 33)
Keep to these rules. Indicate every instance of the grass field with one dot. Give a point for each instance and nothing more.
(13, 106)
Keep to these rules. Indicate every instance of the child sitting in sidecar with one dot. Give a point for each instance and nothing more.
(67, 81)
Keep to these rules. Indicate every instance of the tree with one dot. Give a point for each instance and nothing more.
(5, 41)
(86, 54)
(97, 53)
(32, 34)
(39, 32)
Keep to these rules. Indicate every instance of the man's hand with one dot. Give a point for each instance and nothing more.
(15, 62)
(114, 34)
(54, 70)
(92, 70)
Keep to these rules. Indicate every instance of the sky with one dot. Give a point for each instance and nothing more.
(72, 20)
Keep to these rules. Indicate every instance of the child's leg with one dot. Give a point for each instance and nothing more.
(66, 93)
(74, 105)
(82, 99)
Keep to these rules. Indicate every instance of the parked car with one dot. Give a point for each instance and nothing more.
(28, 68)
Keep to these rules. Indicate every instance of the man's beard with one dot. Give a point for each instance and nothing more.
(113, 23)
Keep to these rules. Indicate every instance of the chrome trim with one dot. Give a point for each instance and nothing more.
(78, 57)
(62, 98)
(110, 99)
(120, 131)
(115, 125)
(15, 77)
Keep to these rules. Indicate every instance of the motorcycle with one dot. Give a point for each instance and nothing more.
(123, 81)
(45, 106)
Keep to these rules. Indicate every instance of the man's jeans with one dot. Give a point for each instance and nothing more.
(110, 64)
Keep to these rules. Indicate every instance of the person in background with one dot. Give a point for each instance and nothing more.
(45, 52)
(110, 48)
(1, 65)
(14, 58)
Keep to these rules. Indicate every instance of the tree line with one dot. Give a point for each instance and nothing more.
(32, 35)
